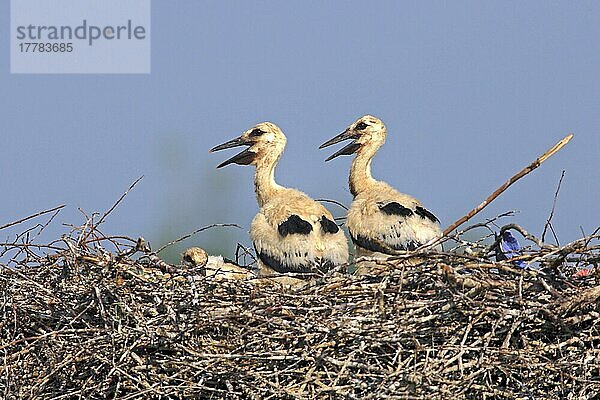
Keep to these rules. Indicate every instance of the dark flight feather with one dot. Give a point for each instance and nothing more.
(294, 225)
(394, 208)
(301, 271)
(423, 213)
(381, 247)
(328, 225)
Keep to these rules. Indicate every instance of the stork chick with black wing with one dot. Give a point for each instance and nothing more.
(381, 220)
(291, 233)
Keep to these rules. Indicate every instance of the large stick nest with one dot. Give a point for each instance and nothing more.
(80, 321)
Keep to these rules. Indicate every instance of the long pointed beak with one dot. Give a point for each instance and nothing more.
(347, 134)
(244, 158)
(347, 150)
(350, 148)
(227, 145)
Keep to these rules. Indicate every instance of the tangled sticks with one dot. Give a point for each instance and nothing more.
(84, 322)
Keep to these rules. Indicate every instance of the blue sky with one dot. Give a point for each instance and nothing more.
(470, 92)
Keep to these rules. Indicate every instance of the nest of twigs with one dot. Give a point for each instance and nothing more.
(79, 321)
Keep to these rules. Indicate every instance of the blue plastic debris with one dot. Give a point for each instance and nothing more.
(509, 248)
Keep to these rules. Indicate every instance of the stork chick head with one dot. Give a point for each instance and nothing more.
(194, 257)
(265, 143)
(366, 132)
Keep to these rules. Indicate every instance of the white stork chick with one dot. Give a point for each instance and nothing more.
(291, 233)
(381, 220)
(213, 266)
(221, 270)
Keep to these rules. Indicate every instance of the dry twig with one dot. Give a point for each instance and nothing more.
(538, 161)
(84, 322)
(32, 216)
(549, 220)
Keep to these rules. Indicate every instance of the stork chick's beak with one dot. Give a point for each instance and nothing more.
(350, 148)
(244, 158)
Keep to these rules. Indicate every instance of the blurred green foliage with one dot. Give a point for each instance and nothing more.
(196, 196)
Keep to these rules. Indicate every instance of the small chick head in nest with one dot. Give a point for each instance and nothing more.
(195, 258)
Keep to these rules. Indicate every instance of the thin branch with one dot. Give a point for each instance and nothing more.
(333, 202)
(506, 185)
(38, 246)
(195, 232)
(119, 201)
(33, 216)
(100, 239)
(548, 221)
(246, 251)
(554, 234)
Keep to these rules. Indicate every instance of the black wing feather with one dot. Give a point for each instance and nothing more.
(423, 213)
(277, 265)
(328, 225)
(380, 247)
(294, 224)
(301, 271)
(395, 208)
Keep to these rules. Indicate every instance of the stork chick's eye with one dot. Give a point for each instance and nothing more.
(256, 132)
(360, 126)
